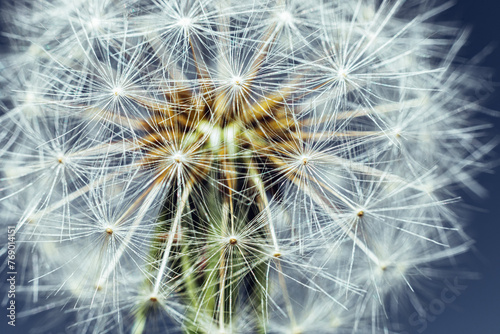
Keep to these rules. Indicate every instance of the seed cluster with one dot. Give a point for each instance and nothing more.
(219, 166)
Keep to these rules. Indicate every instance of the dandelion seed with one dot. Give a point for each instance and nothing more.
(184, 22)
(95, 22)
(118, 91)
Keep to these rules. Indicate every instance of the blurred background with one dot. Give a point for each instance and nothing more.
(476, 308)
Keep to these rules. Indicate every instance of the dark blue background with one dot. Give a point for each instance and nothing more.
(477, 309)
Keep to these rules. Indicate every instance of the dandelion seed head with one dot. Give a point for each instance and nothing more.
(397, 132)
(305, 159)
(285, 17)
(342, 73)
(237, 81)
(118, 91)
(178, 157)
(185, 22)
(61, 158)
(230, 166)
(95, 22)
(30, 97)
